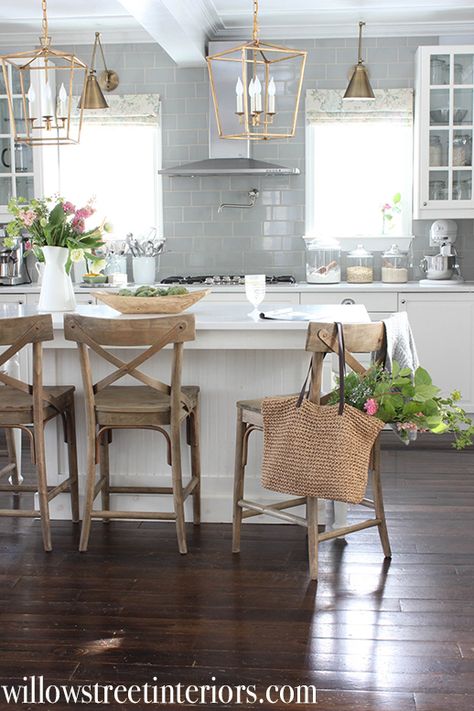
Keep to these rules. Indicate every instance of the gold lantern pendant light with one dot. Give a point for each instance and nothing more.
(92, 96)
(262, 69)
(39, 86)
(359, 84)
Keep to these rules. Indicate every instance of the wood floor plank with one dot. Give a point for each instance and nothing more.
(372, 636)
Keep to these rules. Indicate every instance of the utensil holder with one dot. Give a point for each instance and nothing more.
(144, 270)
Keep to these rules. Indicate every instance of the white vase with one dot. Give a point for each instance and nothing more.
(57, 293)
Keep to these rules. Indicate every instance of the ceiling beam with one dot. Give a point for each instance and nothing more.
(181, 27)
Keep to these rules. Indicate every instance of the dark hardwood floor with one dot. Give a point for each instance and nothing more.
(372, 636)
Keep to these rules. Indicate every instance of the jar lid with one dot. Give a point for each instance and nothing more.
(360, 251)
(322, 243)
(394, 251)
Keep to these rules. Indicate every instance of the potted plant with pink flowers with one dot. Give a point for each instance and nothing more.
(409, 402)
(58, 235)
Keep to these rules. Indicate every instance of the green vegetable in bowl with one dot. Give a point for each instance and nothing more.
(147, 291)
(177, 291)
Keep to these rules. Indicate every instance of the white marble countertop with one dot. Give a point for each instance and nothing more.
(218, 317)
(377, 286)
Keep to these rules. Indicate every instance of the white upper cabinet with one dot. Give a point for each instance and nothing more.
(444, 116)
(16, 160)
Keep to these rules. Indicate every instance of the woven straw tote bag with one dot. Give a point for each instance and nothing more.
(315, 450)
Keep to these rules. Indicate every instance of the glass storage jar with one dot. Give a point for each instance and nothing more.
(323, 261)
(394, 266)
(435, 151)
(462, 149)
(360, 266)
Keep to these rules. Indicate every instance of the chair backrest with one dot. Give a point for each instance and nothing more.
(155, 333)
(17, 333)
(358, 338)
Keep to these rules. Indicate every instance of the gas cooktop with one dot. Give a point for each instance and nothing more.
(224, 280)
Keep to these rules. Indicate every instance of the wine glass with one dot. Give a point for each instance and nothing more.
(255, 291)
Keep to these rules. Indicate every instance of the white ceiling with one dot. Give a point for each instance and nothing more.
(339, 18)
(182, 27)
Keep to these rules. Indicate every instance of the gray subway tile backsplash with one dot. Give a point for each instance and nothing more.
(267, 237)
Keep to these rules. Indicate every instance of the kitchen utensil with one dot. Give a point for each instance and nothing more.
(438, 266)
(151, 304)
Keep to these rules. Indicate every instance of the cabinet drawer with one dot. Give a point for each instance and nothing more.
(80, 299)
(12, 298)
(375, 302)
(279, 297)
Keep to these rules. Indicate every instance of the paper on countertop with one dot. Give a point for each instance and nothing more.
(345, 313)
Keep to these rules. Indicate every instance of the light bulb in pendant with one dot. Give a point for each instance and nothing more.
(252, 95)
(258, 95)
(239, 93)
(48, 111)
(62, 103)
(271, 96)
(31, 95)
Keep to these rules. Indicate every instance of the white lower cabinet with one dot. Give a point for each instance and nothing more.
(33, 299)
(443, 327)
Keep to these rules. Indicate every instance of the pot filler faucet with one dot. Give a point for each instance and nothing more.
(253, 195)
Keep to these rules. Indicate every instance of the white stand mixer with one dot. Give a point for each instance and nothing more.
(442, 269)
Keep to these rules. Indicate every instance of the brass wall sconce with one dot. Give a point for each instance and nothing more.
(92, 96)
(359, 85)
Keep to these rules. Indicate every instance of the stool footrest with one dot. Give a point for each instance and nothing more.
(270, 510)
(140, 490)
(20, 513)
(349, 529)
(160, 515)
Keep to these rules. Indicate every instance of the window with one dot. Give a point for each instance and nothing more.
(117, 162)
(358, 159)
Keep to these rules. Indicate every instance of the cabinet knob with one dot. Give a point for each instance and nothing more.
(90, 301)
(348, 301)
(425, 204)
(20, 303)
(403, 301)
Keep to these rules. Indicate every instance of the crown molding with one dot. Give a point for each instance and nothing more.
(349, 30)
(19, 40)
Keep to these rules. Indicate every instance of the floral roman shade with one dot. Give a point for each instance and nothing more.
(136, 109)
(389, 105)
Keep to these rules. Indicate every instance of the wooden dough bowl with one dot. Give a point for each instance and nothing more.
(151, 304)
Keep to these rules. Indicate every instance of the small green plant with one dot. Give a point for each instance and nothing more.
(409, 401)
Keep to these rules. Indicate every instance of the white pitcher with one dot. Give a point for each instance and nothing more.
(57, 293)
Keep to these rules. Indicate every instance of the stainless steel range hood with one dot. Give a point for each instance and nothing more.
(228, 166)
(227, 157)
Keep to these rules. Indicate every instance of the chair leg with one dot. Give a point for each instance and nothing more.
(42, 485)
(178, 499)
(15, 478)
(312, 520)
(196, 463)
(89, 497)
(72, 461)
(105, 472)
(378, 501)
(239, 476)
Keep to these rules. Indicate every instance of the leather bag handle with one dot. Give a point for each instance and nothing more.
(304, 392)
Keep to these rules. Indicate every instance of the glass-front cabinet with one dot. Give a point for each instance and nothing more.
(444, 116)
(17, 173)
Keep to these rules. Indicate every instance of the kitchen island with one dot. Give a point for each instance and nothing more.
(233, 357)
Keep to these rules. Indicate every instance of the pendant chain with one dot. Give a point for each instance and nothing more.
(44, 23)
(255, 21)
